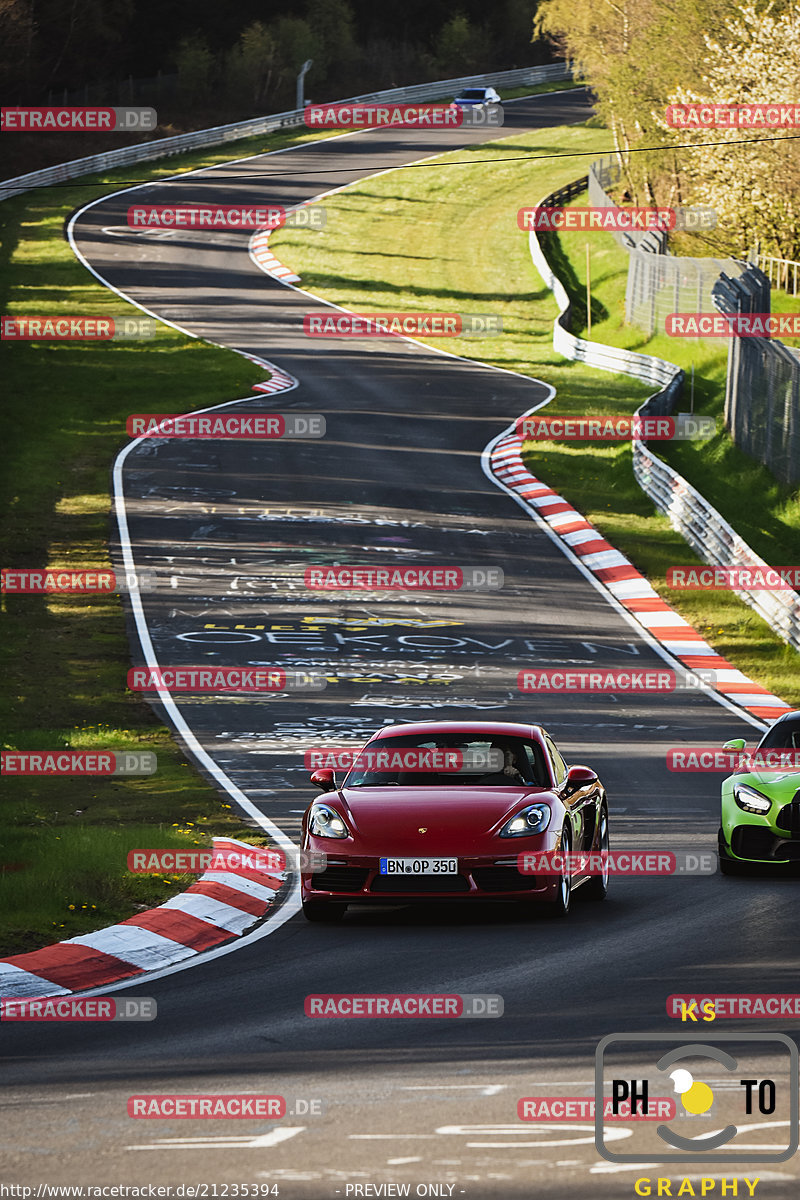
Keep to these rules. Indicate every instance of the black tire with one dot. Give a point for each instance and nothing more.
(560, 906)
(323, 912)
(597, 887)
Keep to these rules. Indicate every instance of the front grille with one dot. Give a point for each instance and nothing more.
(401, 884)
(503, 879)
(789, 818)
(340, 879)
(749, 841)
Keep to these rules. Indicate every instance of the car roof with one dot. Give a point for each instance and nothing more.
(511, 729)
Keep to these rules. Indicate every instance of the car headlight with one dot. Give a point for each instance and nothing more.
(751, 800)
(533, 819)
(324, 821)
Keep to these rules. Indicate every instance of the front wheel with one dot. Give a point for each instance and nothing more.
(560, 906)
(320, 911)
(597, 887)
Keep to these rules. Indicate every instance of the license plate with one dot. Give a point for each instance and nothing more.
(419, 866)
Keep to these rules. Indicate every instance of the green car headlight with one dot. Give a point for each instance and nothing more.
(751, 800)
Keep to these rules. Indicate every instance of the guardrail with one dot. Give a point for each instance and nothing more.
(779, 268)
(164, 147)
(702, 526)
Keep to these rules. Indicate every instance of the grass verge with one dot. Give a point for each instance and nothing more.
(64, 658)
(445, 238)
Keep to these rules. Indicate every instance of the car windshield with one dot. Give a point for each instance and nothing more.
(449, 760)
(474, 94)
(784, 735)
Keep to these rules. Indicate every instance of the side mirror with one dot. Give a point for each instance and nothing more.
(324, 779)
(735, 744)
(580, 777)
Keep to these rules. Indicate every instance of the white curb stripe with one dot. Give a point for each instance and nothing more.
(136, 945)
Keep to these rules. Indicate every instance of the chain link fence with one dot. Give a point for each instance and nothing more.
(762, 395)
(659, 283)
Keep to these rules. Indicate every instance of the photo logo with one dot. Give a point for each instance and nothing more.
(401, 324)
(405, 758)
(399, 1005)
(732, 116)
(196, 862)
(727, 325)
(263, 425)
(72, 1008)
(752, 1005)
(222, 679)
(224, 216)
(741, 578)
(70, 120)
(404, 579)
(76, 329)
(717, 1088)
(77, 762)
(547, 680)
(620, 220)
(91, 582)
(615, 862)
(414, 116)
(208, 1107)
(712, 758)
(683, 427)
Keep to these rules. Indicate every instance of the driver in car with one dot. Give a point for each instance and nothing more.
(509, 774)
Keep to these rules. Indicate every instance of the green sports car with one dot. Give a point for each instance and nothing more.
(761, 807)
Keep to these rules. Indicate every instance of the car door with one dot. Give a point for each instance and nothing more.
(580, 801)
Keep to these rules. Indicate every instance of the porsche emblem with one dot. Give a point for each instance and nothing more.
(422, 829)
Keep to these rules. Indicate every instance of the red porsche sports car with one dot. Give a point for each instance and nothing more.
(441, 809)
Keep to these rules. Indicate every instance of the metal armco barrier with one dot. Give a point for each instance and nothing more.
(164, 147)
(705, 530)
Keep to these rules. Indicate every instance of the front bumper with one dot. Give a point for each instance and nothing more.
(356, 879)
(771, 840)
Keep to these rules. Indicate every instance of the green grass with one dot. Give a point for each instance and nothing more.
(64, 658)
(444, 238)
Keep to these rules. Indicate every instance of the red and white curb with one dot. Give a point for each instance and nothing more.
(263, 256)
(279, 381)
(628, 587)
(216, 909)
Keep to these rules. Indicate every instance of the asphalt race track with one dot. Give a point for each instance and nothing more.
(397, 479)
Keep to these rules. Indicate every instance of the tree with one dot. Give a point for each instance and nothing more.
(195, 64)
(251, 65)
(459, 46)
(753, 180)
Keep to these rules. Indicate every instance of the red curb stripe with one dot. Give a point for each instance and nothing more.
(747, 688)
(71, 965)
(647, 604)
(181, 927)
(555, 507)
(617, 574)
(676, 633)
(504, 468)
(593, 547)
(228, 895)
(706, 660)
(573, 527)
